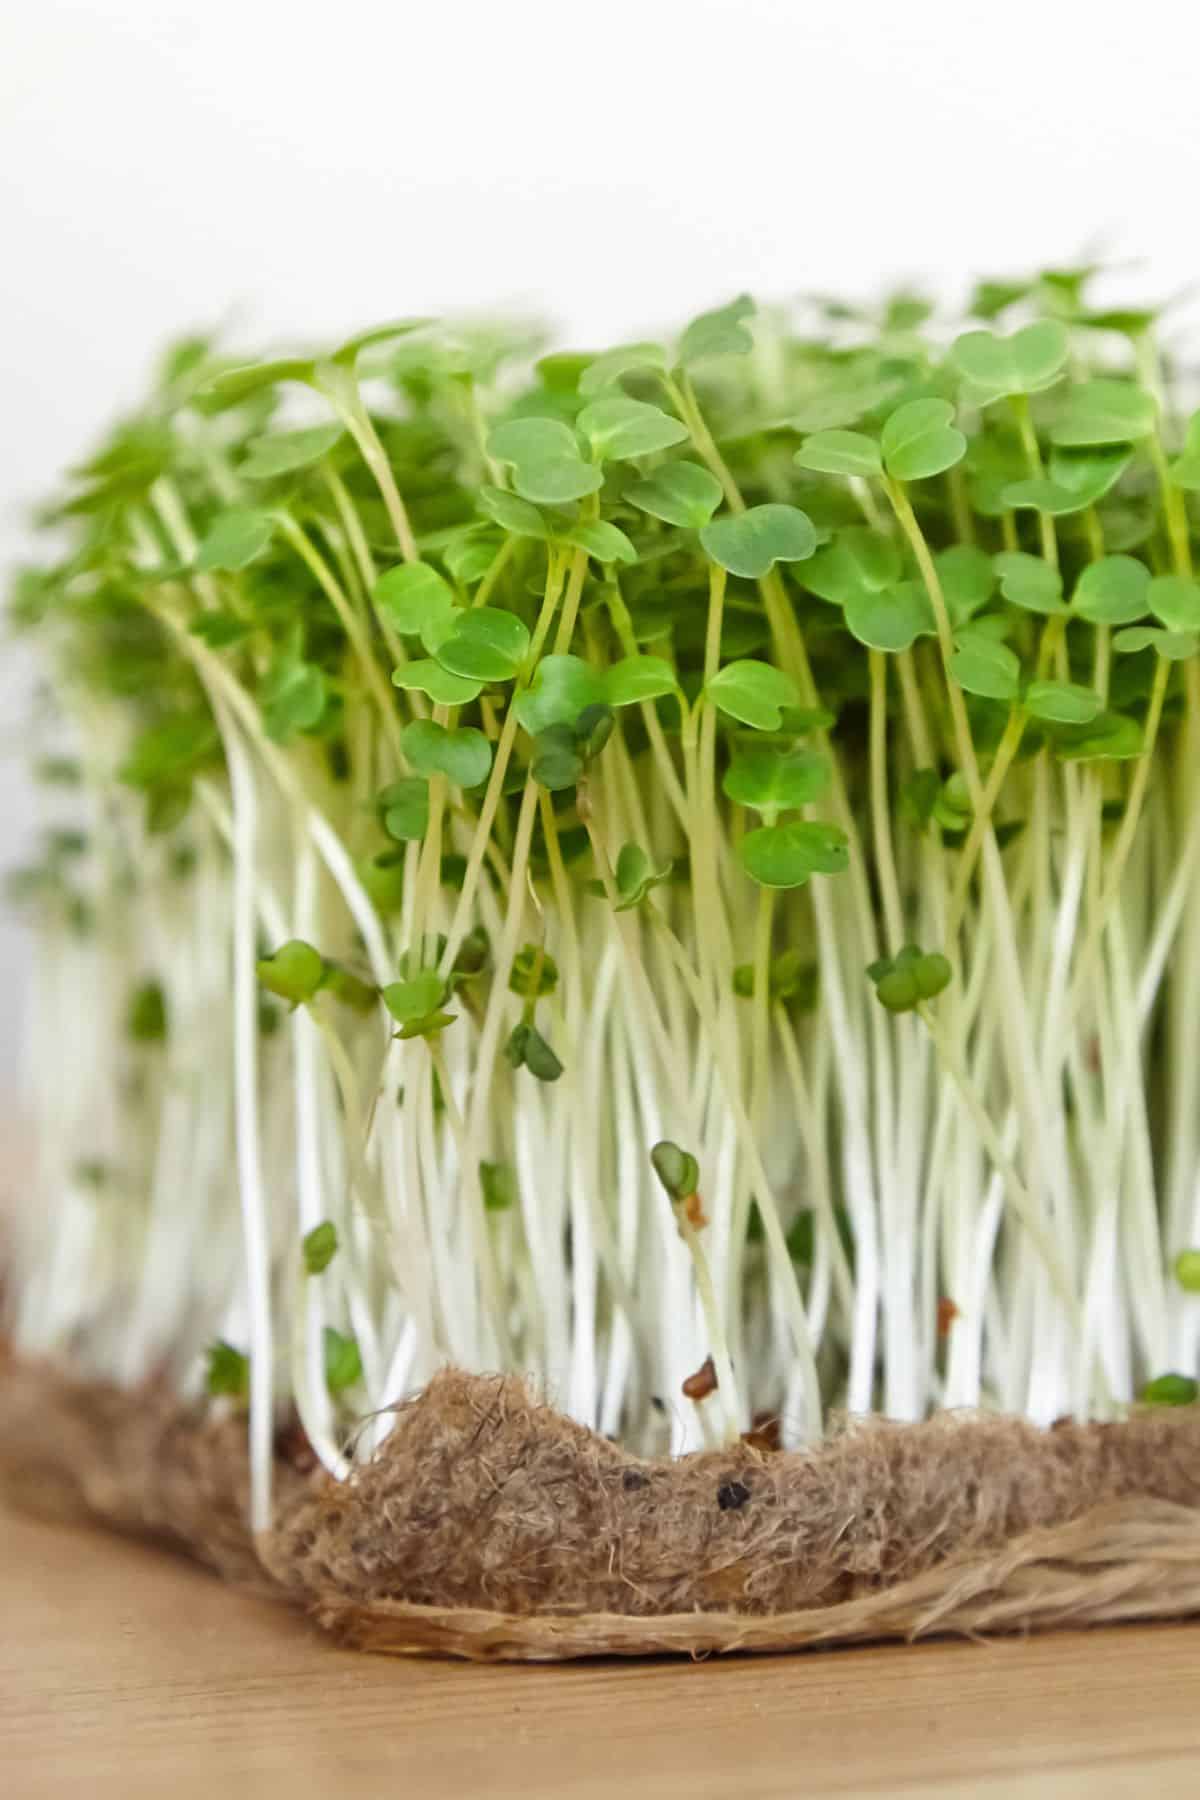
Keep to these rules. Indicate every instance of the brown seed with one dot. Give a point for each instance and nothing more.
(764, 1434)
(693, 1208)
(946, 1314)
(702, 1383)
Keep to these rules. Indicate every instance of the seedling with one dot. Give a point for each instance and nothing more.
(779, 740)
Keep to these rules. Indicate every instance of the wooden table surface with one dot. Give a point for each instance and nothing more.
(124, 1672)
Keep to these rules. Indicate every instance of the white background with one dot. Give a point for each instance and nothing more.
(294, 169)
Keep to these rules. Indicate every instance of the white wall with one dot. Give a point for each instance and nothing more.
(300, 168)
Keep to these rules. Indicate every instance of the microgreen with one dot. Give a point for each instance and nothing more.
(679, 493)
(920, 440)
(617, 427)
(753, 693)
(286, 452)
(903, 981)
(1029, 582)
(677, 1169)
(319, 1247)
(769, 779)
(417, 602)
(722, 332)
(235, 539)
(527, 1049)
(1114, 590)
(751, 543)
(997, 367)
(1105, 412)
(417, 1004)
(785, 856)
(228, 1372)
(343, 1362)
(294, 972)
(636, 875)
(783, 735)
(404, 806)
(462, 754)
(1171, 1390)
(146, 1020)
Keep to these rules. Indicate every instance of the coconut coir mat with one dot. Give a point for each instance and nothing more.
(490, 1526)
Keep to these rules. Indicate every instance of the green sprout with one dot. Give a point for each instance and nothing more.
(773, 749)
(320, 1246)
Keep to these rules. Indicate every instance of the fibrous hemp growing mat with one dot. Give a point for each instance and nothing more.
(490, 1526)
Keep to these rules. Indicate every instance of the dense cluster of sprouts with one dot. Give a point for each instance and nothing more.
(673, 870)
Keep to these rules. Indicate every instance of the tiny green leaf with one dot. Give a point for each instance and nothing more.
(1186, 1269)
(234, 539)
(1112, 737)
(533, 441)
(1105, 411)
(967, 580)
(561, 688)
(840, 453)
(636, 875)
(1113, 591)
(785, 856)
(146, 1018)
(617, 428)
(534, 972)
(858, 561)
(557, 763)
(628, 359)
(984, 667)
(233, 386)
(528, 1049)
(891, 619)
(1170, 1390)
(219, 629)
(286, 452)
(425, 676)
(228, 1371)
(750, 543)
(486, 644)
(606, 542)
(753, 693)
(997, 367)
(293, 697)
(1174, 646)
(679, 493)
(770, 780)
(405, 807)
(721, 332)
(638, 678)
(462, 755)
(1175, 602)
(1029, 582)
(417, 602)
(903, 981)
(343, 1363)
(416, 1004)
(792, 978)
(557, 480)
(1062, 702)
(1077, 479)
(319, 1247)
(347, 352)
(919, 440)
(498, 1186)
(677, 1169)
(295, 971)
(517, 516)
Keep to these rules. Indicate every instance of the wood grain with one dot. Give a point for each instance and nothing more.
(126, 1673)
